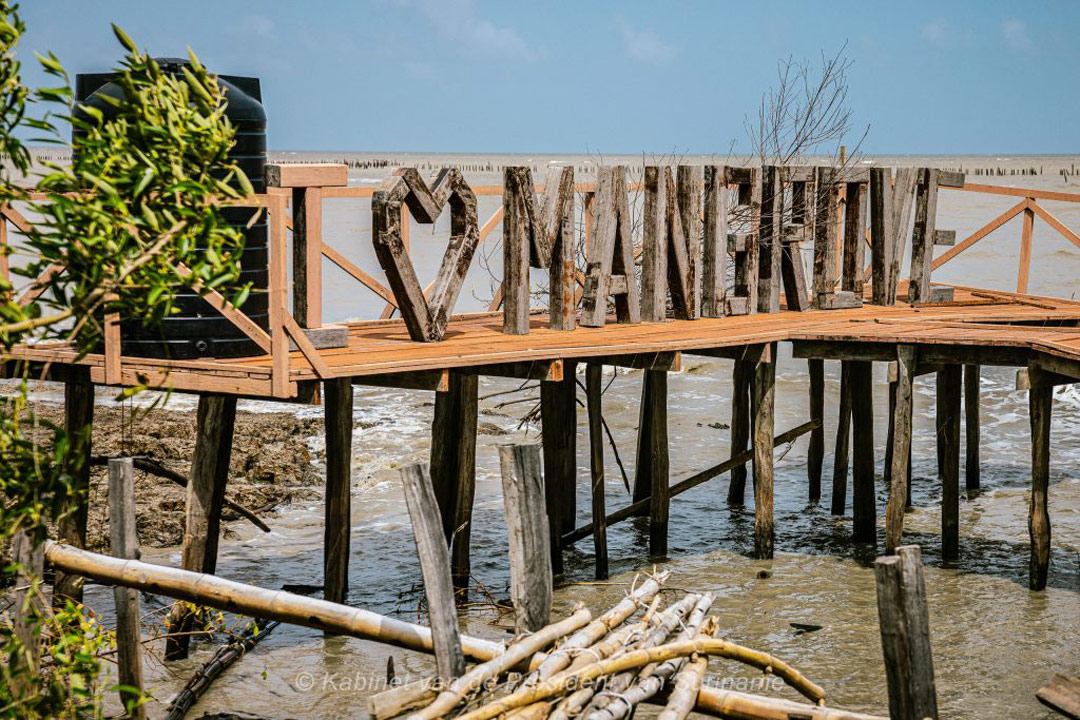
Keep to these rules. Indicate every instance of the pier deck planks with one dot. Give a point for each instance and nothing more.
(976, 317)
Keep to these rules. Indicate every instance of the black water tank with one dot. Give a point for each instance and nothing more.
(196, 329)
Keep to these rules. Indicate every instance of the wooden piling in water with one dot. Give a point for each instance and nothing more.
(1040, 404)
(863, 491)
(124, 543)
(530, 544)
(949, 383)
(653, 439)
(215, 420)
(30, 559)
(78, 422)
(453, 469)
(558, 418)
(740, 428)
(435, 566)
(905, 635)
(763, 394)
(843, 442)
(593, 394)
(900, 447)
(338, 414)
(972, 428)
(815, 453)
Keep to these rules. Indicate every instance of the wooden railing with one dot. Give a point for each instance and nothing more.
(306, 187)
(1030, 207)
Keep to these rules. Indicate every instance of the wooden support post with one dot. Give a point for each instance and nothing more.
(307, 256)
(215, 420)
(689, 185)
(714, 243)
(593, 393)
(922, 236)
(900, 446)
(843, 442)
(855, 211)
(28, 612)
(825, 217)
(558, 418)
(772, 214)
(905, 635)
(657, 442)
(972, 428)
(643, 451)
(1040, 403)
(1024, 266)
(882, 232)
(815, 453)
(453, 469)
(763, 394)
(949, 382)
(78, 422)
(740, 428)
(747, 259)
(124, 543)
(610, 264)
(530, 543)
(435, 567)
(518, 204)
(654, 246)
(863, 491)
(338, 413)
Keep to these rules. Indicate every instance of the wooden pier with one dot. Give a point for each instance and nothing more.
(853, 308)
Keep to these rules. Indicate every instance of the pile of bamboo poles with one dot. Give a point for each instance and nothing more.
(638, 651)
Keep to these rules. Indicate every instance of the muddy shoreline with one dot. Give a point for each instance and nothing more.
(273, 464)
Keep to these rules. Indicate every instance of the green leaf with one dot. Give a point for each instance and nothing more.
(125, 39)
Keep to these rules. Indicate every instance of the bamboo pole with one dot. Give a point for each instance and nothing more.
(634, 659)
(688, 680)
(222, 594)
(516, 653)
(745, 706)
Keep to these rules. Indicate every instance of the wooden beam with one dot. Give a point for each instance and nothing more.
(610, 253)
(949, 384)
(338, 418)
(1027, 378)
(980, 234)
(124, 543)
(214, 424)
(453, 470)
(815, 453)
(1040, 406)
(435, 567)
(437, 380)
(296, 175)
(1024, 265)
(758, 352)
(900, 447)
(905, 635)
(659, 462)
(923, 235)
(763, 395)
(27, 612)
(769, 240)
(740, 427)
(543, 370)
(307, 256)
(530, 543)
(593, 395)
(863, 486)
(558, 419)
(838, 505)
(972, 422)
(714, 243)
(670, 361)
(78, 423)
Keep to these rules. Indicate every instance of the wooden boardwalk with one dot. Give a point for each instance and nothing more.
(986, 327)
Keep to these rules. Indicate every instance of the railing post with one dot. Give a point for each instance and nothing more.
(306, 183)
(279, 343)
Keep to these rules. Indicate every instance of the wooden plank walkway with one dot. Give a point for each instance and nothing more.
(976, 318)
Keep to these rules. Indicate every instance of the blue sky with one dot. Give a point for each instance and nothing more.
(976, 76)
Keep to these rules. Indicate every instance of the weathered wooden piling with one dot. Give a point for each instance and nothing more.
(558, 418)
(742, 374)
(863, 492)
(338, 418)
(593, 395)
(1040, 404)
(769, 240)
(972, 429)
(905, 635)
(653, 463)
(528, 531)
(949, 385)
(78, 422)
(453, 468)
(124, 543)
(763, 395)
(434, 557)
(900, 447)
(815, 453)
(215, 421)
(838, 505)
(28, 611)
